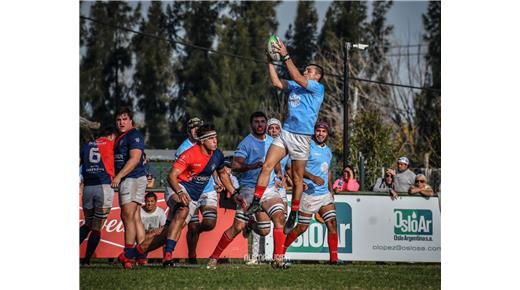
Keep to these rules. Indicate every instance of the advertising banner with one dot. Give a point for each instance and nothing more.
(112, 239)
(375, 228)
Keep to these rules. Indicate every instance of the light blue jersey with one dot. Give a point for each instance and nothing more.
(304, 106)
(185, 146)
(318, 165)
(253, 150)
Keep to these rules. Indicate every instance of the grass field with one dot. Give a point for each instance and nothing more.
(239, 276)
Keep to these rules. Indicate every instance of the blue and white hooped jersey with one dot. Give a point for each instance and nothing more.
(253, 150)
(129, 141)
(92, 167)
(304, 106)
(318, 165)
(185, 146)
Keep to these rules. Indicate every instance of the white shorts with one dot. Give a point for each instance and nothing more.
(171, 198)
(311, 204)
(98, 196)
(132, 189)
(248, 193)
(208, 199)
(298, 146)
(283, 194)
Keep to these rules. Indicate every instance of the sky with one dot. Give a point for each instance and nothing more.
(404, 15)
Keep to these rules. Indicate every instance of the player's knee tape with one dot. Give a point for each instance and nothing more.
(304, 220)
(331, 214)
(263, 225)
(194, 219)
(101, 214)
(241, 217)
(209, 215)
(275, 208)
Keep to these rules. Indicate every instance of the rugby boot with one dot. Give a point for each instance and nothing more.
(289, 224)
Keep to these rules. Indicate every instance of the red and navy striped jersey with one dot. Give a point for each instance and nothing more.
(124, 143)
(97, 162)
(196, 169)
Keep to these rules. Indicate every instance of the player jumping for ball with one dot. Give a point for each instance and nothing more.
(305, 98)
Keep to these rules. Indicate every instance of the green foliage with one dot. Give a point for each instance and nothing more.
(302, 42)
(240, 276)
(428, 103)
(237, 87)
(154, 76)
(107, 58)
(372, 138)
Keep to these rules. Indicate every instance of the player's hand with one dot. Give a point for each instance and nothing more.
(256, 165)
(305, 186)
(278, 183)
(318, 180)
(183, 196)
(219, 187)
(116, 181)
(240, 201)
(280, 48)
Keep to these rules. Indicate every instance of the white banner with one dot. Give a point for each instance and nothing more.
(374, 228)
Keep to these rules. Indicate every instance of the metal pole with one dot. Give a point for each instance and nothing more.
(346, 145)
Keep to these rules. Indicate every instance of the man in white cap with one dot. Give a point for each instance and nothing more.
(404, 178)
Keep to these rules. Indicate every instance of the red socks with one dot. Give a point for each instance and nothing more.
(279, 238)
(295, 205)
(222, 244)
(333, 246)
(259, 191)
(291, 237)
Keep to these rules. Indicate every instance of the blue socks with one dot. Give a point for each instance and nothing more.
(170, 245)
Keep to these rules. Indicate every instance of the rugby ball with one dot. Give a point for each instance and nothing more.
(273, 55)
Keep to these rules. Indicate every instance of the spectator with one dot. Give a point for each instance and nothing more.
(421, 187)
(347, 182)
(150, 176)
(403, 178)
(384, 184)
(153, 218)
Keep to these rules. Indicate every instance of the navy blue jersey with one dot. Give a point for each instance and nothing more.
(197, 168)
(93, 168)
(129, 141)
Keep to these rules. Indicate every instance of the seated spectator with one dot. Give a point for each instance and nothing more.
(404, 178)
(421, 187)
(150, 176)
(347, 182)
(384, 184)
(153, 218)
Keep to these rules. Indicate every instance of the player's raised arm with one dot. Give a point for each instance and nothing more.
(291, 67)
(278, 83)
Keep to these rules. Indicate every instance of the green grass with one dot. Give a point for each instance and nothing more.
(240, 276)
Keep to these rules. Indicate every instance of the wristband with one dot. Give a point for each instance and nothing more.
(285, 57)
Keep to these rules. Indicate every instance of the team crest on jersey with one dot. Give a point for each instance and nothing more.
(324, 167)
(294, 100)
(137, 140)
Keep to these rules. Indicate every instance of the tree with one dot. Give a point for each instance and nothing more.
(154, 76)
(238, 87)
(302, 42)
(428, 103)
(198, 22)
(107, 58)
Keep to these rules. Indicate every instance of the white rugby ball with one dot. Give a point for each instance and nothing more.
(273, 55)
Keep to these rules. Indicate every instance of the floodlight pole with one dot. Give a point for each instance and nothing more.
(346, 75)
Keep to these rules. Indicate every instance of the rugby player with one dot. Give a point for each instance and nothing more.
(187, 178)
(318, 197)
(208, 200)
(130, 176)
(97, 166)
(305, 97)
(248, 159)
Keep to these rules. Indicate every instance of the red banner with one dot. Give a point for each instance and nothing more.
(112, 239)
